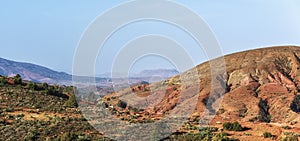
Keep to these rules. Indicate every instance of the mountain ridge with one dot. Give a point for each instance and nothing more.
(32, 72)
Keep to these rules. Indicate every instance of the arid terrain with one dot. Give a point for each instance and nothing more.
(261, 93)
(256, 98)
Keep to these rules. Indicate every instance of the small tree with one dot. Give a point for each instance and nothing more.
(18, 79)
(72, 101)
(3, 81)
(45, 86)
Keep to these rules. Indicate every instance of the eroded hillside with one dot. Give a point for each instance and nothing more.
(261, 92)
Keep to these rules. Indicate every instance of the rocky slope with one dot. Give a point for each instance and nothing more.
(260, 87)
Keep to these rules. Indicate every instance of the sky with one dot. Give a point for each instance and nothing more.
(47, 32)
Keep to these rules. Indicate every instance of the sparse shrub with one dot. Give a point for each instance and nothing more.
(68, 137)
(267, 135)
(269, 117)
(289, 136)
(32, 136)
(243, 112)
(247, 134)
(29, 86)
(31, 111)
(221, 111)
(134, 109)
(2, 121)
(146, 89)
(122, 104)
(206, 135)
(102, 104)
(283, 98)
(20, 115)
(222, 137)
(9, 109)
(235, 126)
(286, 127)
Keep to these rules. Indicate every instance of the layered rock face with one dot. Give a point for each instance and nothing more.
(260, 85)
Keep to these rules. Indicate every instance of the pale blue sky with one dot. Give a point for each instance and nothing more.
(47, 32)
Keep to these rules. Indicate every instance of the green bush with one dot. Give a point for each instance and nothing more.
(235, 126)
(72, 102)
(3, 81)
(29, 86)
(18, 79)
(45, 86)
(267, 135)
(33, 86)
(286, 127)
(122, 104)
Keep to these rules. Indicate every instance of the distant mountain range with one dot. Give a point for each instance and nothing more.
(163, 73)
(38, 73)
(32, 72)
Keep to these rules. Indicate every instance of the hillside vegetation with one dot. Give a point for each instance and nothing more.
(33, 111)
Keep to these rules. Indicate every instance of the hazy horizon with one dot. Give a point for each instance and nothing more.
(47, 33)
